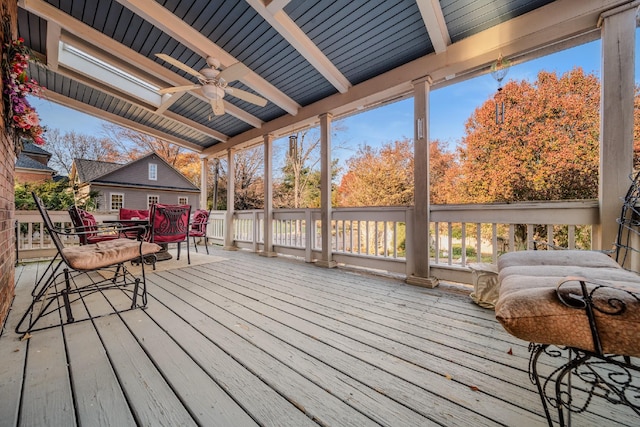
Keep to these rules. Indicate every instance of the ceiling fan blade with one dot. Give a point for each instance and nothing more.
(217, 106)
(178, 89)
(179, 64)
(246, 96)
(234, 72)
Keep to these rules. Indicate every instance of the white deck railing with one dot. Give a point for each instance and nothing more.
(377, 237)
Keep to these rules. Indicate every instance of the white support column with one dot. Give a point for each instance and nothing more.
(616, 117)
(204, 177)
(268, 198)
(231, 195)
(325, 191)
(420, 231)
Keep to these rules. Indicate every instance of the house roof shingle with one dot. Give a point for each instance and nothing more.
(31, 148)
(26, 162)
(88, 170)
(98, 172)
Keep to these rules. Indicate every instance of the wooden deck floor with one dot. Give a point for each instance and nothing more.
(248, 340)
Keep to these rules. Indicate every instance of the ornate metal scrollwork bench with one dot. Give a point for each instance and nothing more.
(581, 313)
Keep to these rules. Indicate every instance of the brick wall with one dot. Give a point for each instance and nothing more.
(22, 177)
(7, 168)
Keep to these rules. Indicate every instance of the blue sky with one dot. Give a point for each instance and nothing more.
(449, 107)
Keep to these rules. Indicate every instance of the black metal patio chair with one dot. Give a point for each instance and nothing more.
(68, 282)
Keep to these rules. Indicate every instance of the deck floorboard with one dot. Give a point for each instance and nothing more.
(247, 340)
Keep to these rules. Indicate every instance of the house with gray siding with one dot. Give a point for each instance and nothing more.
(134, 185)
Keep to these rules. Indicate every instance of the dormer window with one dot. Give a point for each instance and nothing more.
(153, 172)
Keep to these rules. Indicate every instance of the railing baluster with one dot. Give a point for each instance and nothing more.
(351, 236)
(512, 238)
(530, 236)
(450, 243)
(571, 236)
(494, 242)
(437, 242)
(463, 236)
(479, 242)
(395, 239)
(367, 236)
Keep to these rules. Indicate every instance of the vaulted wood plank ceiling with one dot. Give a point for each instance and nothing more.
(304, 57)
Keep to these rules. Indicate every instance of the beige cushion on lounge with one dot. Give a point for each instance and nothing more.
(529, 308)
(103, 254)
(569, 257)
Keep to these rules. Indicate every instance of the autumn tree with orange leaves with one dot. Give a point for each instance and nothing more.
(381, 177)
(384, 177)
(546, 148)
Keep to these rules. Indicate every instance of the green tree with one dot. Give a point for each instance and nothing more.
(56, 195)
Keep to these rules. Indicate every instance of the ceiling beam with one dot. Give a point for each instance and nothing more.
(288, 29)
(197, 126)
(53, 37)
(168, 99)
(531, 35)
(274, 6)
(433, 19)
(189, 37)
(113, 118)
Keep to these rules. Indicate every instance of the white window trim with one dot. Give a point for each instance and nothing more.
(152, 195)
(186, 200)
(111, 194)
(155, 169)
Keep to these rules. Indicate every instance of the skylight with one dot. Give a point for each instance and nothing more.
(110, 75)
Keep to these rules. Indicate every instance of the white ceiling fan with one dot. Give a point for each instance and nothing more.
(213, 82)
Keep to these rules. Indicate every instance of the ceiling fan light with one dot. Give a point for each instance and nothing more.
(212, 91)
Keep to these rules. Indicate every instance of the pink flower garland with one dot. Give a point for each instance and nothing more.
(21, 117)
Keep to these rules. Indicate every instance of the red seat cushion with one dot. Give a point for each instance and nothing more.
(89, 223)
(133, 213)
(199, 224)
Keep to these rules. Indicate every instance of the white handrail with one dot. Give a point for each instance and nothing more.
(377, 236)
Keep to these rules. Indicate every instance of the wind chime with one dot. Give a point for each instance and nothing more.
(499, 70)
(293, 146)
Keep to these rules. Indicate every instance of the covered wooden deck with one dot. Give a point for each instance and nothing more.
(248, 340)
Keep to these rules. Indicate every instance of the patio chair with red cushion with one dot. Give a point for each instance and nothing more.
(170, 224)
(199, 227)
(132, 217)
(89, 231)
(134, 214)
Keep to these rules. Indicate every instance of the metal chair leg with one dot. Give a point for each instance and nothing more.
(65, 296)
